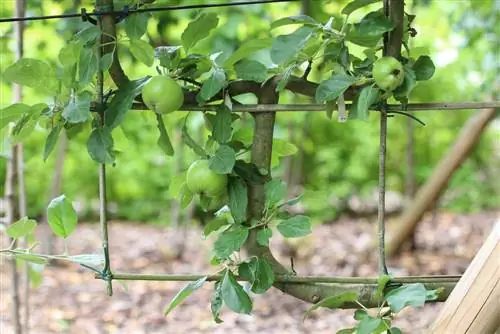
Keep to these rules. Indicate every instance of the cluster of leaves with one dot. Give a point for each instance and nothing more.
(393, 299)
(62, 220)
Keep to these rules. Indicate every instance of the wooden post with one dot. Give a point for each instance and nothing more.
(429, 193)
(474, 305)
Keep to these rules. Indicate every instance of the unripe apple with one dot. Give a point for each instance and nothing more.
(388, 73)
(162, 94)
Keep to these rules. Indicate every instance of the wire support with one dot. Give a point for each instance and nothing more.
(84, 15)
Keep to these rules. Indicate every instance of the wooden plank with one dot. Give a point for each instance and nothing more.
(474, 305)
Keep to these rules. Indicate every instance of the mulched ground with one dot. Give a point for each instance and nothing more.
(70, 300)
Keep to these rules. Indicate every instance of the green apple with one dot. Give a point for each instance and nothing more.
(200, 179)
(162, 94)
(388, 73)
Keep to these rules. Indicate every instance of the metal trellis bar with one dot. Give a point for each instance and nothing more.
(144, 10)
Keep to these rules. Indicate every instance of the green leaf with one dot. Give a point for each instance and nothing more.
(51, 141)
(13, 113)
(78, 108)
(136, 25)
(251, 70)
(92, 260)
(406, 295)
(230, 241)
(298, 19)
(184, 293)
(287, 47)
(357, 4)
(368, 325)
(23, 128)
(433, 294)
(174, 188)
(238, 199)
(164, 140)
(281, 148)
(275, 191)
(402, 93)
(346, 331)
(61, 216)
(214, 225)
(167, 55)
(332, 88)
(32, 258)
(198, 29)
(87, 66)
(217, 302)
(122, 102)
(69, 54)
(333, 302)
(424, 68)
(370, 29)
(286, 78)
(33, 73)
(296, 226)
(248, 48)
(365, 99)
(186, 138)
(89, 34)
(213, 84)
(263, 236)
(244, 135)
(258, 272)
(100, 146)
(21, 228)
(395, 330)
(234, 296)
(222, 125)
(382, 283)
(106, 61)
(142, 51)
(186, 196)
(249, 172)
(223, 160)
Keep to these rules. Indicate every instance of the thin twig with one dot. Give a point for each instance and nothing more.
(102, 177)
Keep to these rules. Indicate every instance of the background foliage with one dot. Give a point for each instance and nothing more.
(335, 160)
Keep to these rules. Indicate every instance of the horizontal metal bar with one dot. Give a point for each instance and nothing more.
(257, 108)
(288, 279)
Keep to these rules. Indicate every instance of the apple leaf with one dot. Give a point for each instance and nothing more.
(184, 293)
(21, 228)
(198, 29)
(275, 191)
(365, 99)
(251, 70)
(286, 47)
(263, 236)
(234, 296)
(33, 73)
(357, 4)
(78, 109)
(223, 160)
(213, 84)
(142, 51)
(238, 199)
(294, 227)
(51, 141)
(332, 88)
(100, 146)
(136, 25)
(61, 216)
(424, 68)
(230, 241)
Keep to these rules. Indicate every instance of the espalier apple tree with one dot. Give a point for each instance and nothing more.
(233, 170)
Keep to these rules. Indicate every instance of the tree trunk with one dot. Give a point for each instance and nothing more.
(431, 190)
